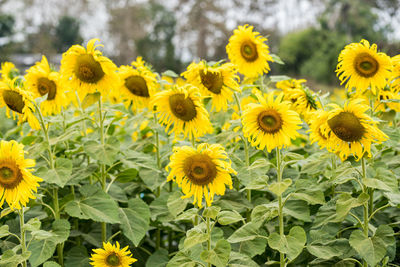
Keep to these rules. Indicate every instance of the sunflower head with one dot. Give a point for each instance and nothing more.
(303, 101)
(87, 70)
(319, 128)
(17, 183)
(287, 85)
(8, 71)
(202, 171)
(270, 123)
(248, 51)
(361, 66)
(18, 102)
(112, 256)
(395, 78)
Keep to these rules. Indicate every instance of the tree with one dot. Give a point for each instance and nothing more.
(67, 33)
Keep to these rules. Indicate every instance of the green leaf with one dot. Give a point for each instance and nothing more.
(170, 73)
(193, 237)
(218, 256)
(313, 197)
(277, 59)
(90, 99)
(61, 173)
(10, 259)
(264, 212)
(240, 260)
(181, 259)
(32, 225)
(346, 202)
(176, 204)
(159, 209)
(51, 264)
(249, 231)
(188, 215)
(135, 220)
(292, 244)
(253, 247)
(158, 258)
(106, 154)
(297, 209)
(371, 250)
(211, 212)
(329, 249)
(377, 184)
(61, 228)
(260, 182)
(77, 256)
(227, 217)
(127, 175)
(279, 187)
(4, 231)
(278, 78)
(95, 205)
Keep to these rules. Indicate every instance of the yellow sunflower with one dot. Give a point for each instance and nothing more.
(204, 170)
(8, 71)
(19, 102)
(351, 130)
(319, 129)
(138, 83)
(216, 81)
(88, 71)
(181, 108)
(16, 179)
(395, 78)
(112, 256)
(248, 51)
(387, 95)
(290, 84)
(41, 80)
(270, 123)
(361, 66)
(303, 102)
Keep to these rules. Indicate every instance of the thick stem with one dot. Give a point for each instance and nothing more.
(366, 217)
(280, 205)
(21, 224)
(247, 160)
(102, 169)
(209, 238)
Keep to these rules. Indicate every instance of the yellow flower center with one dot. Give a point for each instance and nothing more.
(347, 127)
(182, 107)
(14, 100)
(366, 65)
(213, 81)
(87, 69)
(269, 121)
(248, 50)
(113, 260)
(46, 86)
(10, 175)
(200, 169)
(137, 85)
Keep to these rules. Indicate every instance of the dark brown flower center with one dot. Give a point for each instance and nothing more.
(248, 50)
(13, 100)
(347, 127)
(10, 175)
(46, 86)
(137, 85)
(213, 81)
(113, 259)
(366, 65)
(87, 69)
(270, 121)
(182, 107)
(200, 169)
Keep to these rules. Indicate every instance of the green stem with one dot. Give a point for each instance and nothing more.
(23, 242)
(280, 206)
(83, 113)
(247, 160)
(209, 238)
(366, 217)
(102, 168)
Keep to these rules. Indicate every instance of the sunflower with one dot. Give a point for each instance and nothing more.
(271, 123)
(351, 130)
(19, 102)
(319, 128)
(248, 51)
(41, 80)
(8, 71)
(395, 78)
(138, 83)
(112, 256)
(361, 66)
(204, 170)
(391, 97)
(303, 102)
(290, 84)
(16, 179)
(181, 108)
(216, 81)
(87, 70)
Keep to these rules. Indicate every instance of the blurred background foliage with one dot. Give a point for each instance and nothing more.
(169, 33)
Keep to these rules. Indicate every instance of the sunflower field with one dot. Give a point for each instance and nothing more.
(222, 165)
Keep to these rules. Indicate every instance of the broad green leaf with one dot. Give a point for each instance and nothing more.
(176, 204)
(260, 182)
(41, 250)
(51, 264)
(253, 247)
(377, 184)
(61, 229)
(312, 197)
(193, 237)
(370, 249)
(249, 231)
(219, 255)
(181, 259)
(10, 259)
(211, 212)
(158, 259)
(95, 205)
(264, 212)
(329, 249)
(297, 209)
(61, 173)
(159, 208)
(292, 244)
(278, 60)
(278, 188)
(346, 202)
(227, 217)
(32, 225)
(106, 153)
(135, 220)
(170, 73)
(127, 175)
(240, 260)
(278, 78)
(90, 99)
(4, 231)
(77, 256)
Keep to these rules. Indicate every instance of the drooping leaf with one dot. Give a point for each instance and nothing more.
(219, 255)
